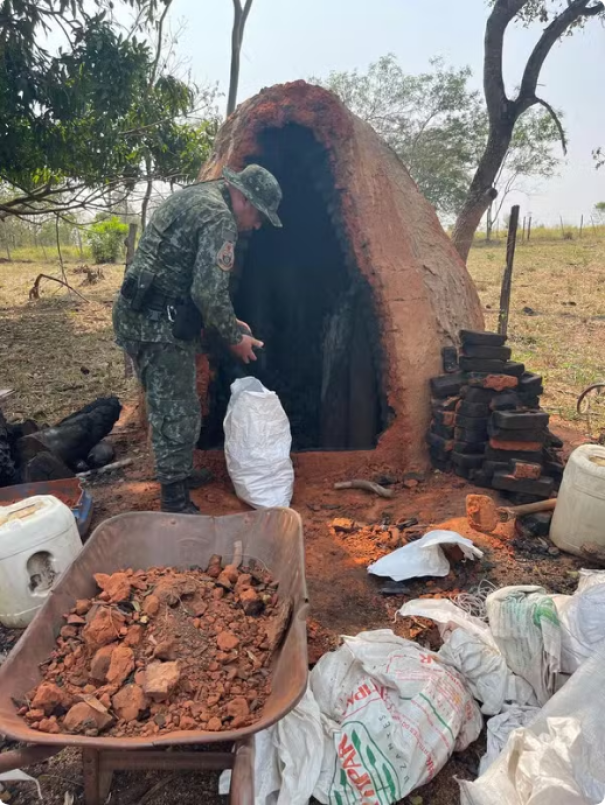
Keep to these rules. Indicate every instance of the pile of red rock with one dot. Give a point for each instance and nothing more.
(163, 650)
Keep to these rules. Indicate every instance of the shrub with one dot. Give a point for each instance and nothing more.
(106, 239)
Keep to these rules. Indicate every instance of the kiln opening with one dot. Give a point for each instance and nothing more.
(302, 294)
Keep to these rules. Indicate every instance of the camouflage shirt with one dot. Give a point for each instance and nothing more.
(189, 245)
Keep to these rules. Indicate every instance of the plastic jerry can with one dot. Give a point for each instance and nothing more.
(580, 513)
(38, 540)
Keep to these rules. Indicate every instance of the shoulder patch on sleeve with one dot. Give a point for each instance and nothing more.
(225, 259)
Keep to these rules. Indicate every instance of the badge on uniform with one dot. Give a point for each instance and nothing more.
(226, 257)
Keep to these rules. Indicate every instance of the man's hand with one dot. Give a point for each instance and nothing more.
(244, 327)
(245, 349)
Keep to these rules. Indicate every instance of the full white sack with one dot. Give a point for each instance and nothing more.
(257, 445)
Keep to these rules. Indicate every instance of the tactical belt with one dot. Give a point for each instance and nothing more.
(155, 303)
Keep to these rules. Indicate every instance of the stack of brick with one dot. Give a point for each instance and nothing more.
(488, 425)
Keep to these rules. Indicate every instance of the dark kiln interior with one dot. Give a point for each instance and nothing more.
(300, 290)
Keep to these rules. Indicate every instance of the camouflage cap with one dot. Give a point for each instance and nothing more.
(260, 187)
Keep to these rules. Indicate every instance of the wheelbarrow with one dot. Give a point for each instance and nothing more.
(68, 490)
(140, 541)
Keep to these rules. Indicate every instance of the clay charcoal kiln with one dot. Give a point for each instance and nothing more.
(358, 293)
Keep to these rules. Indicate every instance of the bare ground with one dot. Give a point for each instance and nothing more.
(53, 341)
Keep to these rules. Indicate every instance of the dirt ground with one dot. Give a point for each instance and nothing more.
(344, 598)
(59, 353)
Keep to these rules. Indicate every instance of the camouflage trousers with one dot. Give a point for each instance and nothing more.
(167, 375)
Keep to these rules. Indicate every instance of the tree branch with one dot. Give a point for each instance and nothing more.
(502, 14)
(158, 51)
(557, 120)
(550, 35)
(247, 8)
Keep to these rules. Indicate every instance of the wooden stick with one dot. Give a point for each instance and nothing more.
(507, 279)
(369, 486)
(117, 465)
(34, 291)
(507, 513)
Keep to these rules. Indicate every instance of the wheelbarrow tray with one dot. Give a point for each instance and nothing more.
(68, 490)
(143, 540)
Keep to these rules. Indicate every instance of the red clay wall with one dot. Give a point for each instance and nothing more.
(423, 292)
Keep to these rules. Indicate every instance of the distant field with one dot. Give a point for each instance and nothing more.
(59, 352)
(557, 322)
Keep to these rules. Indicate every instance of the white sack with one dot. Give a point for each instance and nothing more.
(559, 759)
(423, 557)
(393, 715)
(525, 625)
(18, 776)
(257, 445)
(500, 727)
(470, 648)
(288, 757)
(582, 617)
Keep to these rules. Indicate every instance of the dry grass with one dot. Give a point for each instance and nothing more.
(57, 353)
(563, 282)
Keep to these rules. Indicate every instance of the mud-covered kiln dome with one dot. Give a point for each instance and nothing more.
(357, 294)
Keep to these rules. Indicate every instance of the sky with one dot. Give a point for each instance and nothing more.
(288, 39)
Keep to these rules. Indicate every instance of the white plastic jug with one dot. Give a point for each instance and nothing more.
(38, 540)
(580, 513)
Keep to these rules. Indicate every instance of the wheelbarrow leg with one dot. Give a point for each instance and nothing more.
(97, 781)
(242, 776)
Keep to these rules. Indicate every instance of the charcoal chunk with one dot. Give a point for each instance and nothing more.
(470, 448)
(522, 420)
(466, 461)
(490, 468)
(506, 401)
(449, 358)
(538, 525)
(516, 435)
(439, 443)
(472, 423)
(487, 352)
(444, 406)
(482, 365)
(531, 456)
(482, 338)
(446, 385)
(543, 486)
(445, 431)
(470, 434)
(474, 394)
(469, 409)
(480, 478)
(530, 383)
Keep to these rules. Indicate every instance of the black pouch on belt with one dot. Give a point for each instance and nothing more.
(136, 289)
(187, 321)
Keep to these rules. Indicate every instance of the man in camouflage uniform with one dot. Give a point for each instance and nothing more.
(177, 283)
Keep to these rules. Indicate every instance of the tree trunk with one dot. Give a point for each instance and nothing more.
(481, 192)
(147, 195)
(489, 224)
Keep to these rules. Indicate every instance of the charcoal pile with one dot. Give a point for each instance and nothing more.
(30, 452)
(488, 424)
(162, 650)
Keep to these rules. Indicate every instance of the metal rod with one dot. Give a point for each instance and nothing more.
(507, 279)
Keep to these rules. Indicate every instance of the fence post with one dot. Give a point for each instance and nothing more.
(581, 224)
(528, 228)
(507, 279)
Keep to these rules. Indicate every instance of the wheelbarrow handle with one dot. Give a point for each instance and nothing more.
(242, 776)
(28, 755)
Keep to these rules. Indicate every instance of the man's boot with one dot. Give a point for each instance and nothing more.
(175, 499)
(199, 478)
